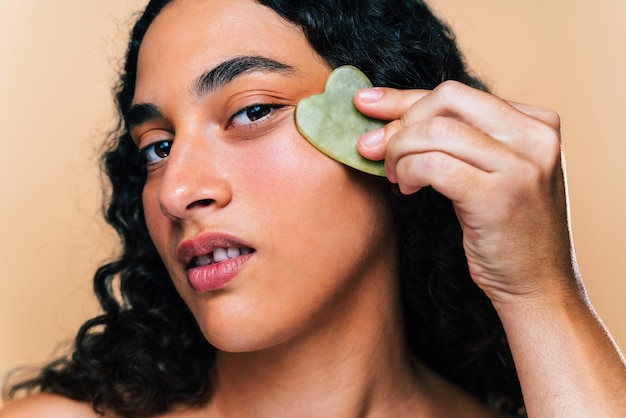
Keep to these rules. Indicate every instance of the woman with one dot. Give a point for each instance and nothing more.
(261, 278)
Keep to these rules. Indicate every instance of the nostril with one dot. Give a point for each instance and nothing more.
(201, 203)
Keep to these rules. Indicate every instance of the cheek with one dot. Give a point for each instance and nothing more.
(287, 165)
(301, 192)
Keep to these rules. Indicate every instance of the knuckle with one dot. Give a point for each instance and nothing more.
(406, 168)
(434, 162)
(550, 117)
(448, 90)
(440, 127)
(549, 139)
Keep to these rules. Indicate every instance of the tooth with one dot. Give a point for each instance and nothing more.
(232, 252)
(203, 260)
(243, 251)
(219, 254)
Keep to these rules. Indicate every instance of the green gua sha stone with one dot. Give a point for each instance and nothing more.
(332, 123)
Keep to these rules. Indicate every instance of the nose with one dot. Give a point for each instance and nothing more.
(194, 179)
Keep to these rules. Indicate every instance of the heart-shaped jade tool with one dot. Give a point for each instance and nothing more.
(332, 123)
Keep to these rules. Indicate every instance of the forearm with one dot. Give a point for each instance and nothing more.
(567, 363)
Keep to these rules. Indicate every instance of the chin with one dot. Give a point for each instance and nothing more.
(245, 342)
(240, 332)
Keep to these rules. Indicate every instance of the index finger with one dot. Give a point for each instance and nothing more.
(397, 102)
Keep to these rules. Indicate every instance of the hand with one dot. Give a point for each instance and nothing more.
(500, 165)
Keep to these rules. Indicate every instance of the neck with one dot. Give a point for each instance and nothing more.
(350, 363)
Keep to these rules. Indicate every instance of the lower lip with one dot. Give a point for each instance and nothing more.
(216, 276)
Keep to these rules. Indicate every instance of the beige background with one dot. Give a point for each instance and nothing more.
(57, 62)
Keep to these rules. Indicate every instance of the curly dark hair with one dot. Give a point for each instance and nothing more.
(146, 354)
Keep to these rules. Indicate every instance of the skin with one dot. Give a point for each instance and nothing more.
(293, 318)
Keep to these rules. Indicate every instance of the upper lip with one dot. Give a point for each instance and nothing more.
(204, 244)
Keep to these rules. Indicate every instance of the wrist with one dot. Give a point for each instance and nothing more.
(553, 292)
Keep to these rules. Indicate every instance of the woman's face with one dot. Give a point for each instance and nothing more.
(262, 235)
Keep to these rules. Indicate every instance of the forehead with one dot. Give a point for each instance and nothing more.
(190, 36)
(229, 17)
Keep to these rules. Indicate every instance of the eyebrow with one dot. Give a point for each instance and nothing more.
(227, 71)
(211, 80)
(141, 113)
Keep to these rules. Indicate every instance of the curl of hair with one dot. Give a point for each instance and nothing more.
(145, 353)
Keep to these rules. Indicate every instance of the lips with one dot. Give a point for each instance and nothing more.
(211, 261)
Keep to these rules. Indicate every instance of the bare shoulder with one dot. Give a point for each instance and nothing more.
(47, 405)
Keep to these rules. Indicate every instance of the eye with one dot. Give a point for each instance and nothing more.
(156, 151)
(253, 114)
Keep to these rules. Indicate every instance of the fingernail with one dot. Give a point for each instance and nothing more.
(369, 95)
(373, 138)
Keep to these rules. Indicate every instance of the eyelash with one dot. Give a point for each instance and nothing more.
(151, 151)
(271, 108)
